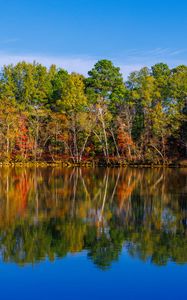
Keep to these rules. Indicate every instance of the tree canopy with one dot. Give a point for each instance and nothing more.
(99, 117)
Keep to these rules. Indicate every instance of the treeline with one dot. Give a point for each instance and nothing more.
(49, 114)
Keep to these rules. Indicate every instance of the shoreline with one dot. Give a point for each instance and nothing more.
(93, 164)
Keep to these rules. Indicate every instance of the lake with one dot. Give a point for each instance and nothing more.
(93, 233)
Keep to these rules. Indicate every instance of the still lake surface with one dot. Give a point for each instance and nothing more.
(93, 233)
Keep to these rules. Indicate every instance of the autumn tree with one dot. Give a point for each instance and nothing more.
(105, 90)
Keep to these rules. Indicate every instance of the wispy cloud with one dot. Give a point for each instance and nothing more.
(135, 59)
(80, 64)
(177, 52)
(157, 52)
(126, 69)
(132, 60)
(71, 64)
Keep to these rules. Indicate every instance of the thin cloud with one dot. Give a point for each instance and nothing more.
(157, 52)
(72, 64)
(83, 64)
(177, 52)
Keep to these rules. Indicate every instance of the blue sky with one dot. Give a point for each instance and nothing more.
(74, 34)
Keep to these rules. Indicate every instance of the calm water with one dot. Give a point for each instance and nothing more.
(93, 234)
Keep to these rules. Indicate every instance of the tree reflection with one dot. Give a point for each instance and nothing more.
(47, 213)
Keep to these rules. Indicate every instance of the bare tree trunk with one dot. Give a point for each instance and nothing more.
(115, 143)
(8, 142)
(83, 148)
(104, 150)
(159, 152)
(36, 141)
(104, 132)
(129, 151)
(75, 152)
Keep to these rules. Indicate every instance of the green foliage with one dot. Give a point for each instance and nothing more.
(73, 97)
(105, 84)
(78, 115)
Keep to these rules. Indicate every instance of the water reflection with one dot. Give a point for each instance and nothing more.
(52, 212)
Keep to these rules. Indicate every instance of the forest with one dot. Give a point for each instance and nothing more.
(48, 114)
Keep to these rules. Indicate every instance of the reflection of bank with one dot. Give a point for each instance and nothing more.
(83, 192)
(50, 212)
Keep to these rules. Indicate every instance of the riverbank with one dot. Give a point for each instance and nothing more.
(90, 164)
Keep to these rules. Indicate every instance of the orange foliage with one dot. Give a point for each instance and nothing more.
(124, 140)
(23, 143)
(124, 191)
(21, 193)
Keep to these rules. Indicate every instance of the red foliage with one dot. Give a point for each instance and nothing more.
(23, 142)
(124, 140)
